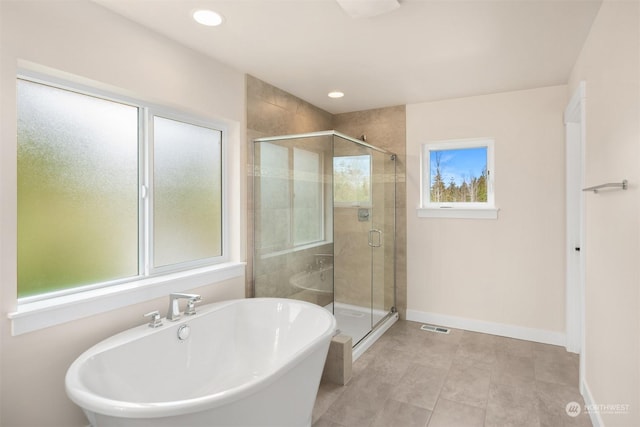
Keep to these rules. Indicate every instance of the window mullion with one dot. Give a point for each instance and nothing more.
(292, 238)
(146, 196)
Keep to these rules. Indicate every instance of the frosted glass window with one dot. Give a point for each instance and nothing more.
(307, 196)
(77, 189)
(275, 196)
(187, 193)
(290, 194)
(81, 162)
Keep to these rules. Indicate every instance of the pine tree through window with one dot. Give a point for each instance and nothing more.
(458, 174)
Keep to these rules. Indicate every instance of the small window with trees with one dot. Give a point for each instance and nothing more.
(457, 179)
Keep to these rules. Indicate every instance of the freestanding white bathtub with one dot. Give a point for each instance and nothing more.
(249, 362)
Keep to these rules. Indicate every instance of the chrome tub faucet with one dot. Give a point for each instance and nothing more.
(173, 313)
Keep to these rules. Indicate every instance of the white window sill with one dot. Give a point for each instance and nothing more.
(42, 314)
(463, 213)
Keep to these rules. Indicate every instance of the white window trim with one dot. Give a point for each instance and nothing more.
(428, 209)
(460, 213)
(34, 314)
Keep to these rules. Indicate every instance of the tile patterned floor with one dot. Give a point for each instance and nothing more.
(464, 379)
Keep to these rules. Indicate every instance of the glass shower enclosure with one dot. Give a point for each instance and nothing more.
(324, 226)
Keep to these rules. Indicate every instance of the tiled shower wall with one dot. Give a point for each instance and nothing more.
(272, 111)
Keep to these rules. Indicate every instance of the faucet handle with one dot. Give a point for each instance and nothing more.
(155, 321)
(191, 305)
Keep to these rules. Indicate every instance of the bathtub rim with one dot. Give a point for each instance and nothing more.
(295, 280)
(90, 401)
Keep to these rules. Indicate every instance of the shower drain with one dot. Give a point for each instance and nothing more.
(437, 329)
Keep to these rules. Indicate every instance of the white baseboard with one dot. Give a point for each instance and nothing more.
(501, 329)
(596, 418)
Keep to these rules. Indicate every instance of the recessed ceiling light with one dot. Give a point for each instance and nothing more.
(207, 17)
(335, 94)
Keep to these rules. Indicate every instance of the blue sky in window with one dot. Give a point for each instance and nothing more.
(459, 164)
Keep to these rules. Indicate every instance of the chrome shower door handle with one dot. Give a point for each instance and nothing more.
(373, 242)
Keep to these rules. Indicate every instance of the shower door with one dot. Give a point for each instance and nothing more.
(381, 239)
(363, 209)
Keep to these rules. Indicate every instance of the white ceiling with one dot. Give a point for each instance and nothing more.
(425, 50)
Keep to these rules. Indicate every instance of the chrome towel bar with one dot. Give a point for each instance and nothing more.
(623, 185)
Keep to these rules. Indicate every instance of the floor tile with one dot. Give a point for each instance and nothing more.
(361, 401)
(389, 367)
(325, 422)
(481, 355)
(512, 369)
(552, 405)
(514, 346)
(559, 370)
(360, 365)
(469, 337)
(404, 340)
(467, 384)
(406, 329)
(416, 378)
(437, 352)
(512, 406)
(548, 351)
(420, 386)
(395, 413)
(454, 414)
(328, 393)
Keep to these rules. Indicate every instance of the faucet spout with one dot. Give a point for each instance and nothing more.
(173, 313)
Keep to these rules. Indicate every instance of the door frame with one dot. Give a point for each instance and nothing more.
(575, 126)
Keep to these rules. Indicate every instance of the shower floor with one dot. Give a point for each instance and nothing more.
(355, 321)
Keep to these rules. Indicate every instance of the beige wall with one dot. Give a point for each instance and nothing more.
(485, 274)
(83, 39)
(610, 66)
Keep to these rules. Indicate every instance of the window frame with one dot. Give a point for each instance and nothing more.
(148, 182)
(294, 243)
(473, 210)
(291, 245)
(36, 312)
